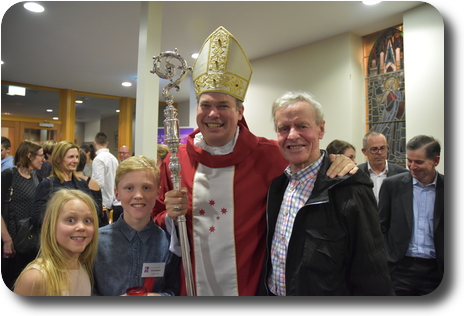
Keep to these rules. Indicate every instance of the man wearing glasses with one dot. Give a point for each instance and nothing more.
(377, 167)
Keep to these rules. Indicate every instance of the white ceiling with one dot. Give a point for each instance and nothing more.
(92, 46)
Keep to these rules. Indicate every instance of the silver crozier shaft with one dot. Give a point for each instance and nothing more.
(172, 139)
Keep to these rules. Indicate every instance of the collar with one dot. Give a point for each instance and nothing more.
(200, 142)
(130, 233)
(244, 146)
(416, 182)
(307, 173)
(385, 171)
(102, 150)
(7, 159)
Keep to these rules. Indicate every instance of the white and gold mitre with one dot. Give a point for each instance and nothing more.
(222, 66)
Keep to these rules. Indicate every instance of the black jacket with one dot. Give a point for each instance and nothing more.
(45, 190)
(396, 214)
(336, 246)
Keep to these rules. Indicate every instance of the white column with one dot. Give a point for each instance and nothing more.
(146, 115)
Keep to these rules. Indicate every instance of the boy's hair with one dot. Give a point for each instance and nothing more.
(136, 163)
(101, 139)
(51, 257)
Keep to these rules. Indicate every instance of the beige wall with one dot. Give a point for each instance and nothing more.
(425, 95)
(331, 70)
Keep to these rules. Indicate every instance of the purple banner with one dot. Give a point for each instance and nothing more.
(184, 132)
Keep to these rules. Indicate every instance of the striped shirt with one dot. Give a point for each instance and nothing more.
(298, 191)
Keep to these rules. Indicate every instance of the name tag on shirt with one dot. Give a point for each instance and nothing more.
(153, 270)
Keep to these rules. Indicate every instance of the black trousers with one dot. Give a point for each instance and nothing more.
(416, 276)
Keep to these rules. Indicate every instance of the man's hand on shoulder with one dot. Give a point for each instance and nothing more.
(341, 165)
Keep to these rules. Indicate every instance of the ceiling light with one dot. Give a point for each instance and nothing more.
(14, 90)
(49, 110)
(127, 84)
(117, 111)
(55, 118)
(34, 7)
(79, 101)
(194, 55)
(371, 2)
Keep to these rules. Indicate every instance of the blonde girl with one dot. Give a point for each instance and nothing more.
(69, 240)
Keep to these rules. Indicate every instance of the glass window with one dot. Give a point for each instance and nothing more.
(386, 92)
(35, 102)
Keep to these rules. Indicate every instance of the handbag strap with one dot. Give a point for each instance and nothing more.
(7, 194)
(7, 184)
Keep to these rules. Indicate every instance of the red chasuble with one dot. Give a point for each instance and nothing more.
(226, 213)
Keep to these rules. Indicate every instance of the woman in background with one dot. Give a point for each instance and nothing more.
(341, 147)
(65, 159)
(19, 184)
(46, 169)
(93, 186)
(90, 155)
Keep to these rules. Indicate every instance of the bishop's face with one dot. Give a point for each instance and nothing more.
(217, 117)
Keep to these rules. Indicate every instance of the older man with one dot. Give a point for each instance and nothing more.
(124, 153)
(377, 167)
(324, 234)
(225, 175)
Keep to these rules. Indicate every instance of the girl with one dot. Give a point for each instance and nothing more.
(68, 248)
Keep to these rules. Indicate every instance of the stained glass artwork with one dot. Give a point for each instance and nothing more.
(386, 92)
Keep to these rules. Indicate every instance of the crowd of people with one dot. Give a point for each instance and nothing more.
(264, 217)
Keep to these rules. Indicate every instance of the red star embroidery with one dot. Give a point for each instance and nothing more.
(211, 202)
(201, 212)
(218, 218)
(223, 210)
(212, 229)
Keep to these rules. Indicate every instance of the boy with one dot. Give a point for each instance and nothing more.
(133, 251)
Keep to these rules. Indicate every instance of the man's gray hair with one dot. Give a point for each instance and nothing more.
(291, 97)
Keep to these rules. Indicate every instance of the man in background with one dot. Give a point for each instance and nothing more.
(377, 167)
(104, 170)
(7, 158)
(124, 153)
(411, 211)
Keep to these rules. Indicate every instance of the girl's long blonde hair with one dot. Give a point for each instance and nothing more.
(51, 258)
